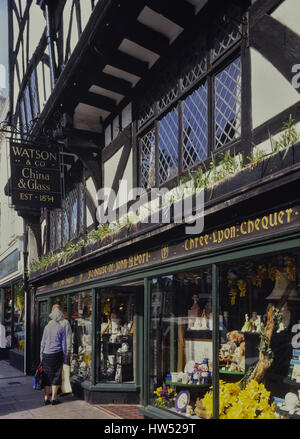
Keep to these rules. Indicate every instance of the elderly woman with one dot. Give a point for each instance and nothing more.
(53, 354)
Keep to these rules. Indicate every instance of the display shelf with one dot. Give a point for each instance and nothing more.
(183, 415)
(285, 413)
(180, 384)
(291, 382)
(231, 372)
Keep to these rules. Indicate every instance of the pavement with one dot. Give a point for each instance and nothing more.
(18, 400)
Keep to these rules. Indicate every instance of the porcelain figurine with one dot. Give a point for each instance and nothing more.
(193, 312)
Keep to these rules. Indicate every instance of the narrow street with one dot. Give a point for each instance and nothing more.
(18, 400)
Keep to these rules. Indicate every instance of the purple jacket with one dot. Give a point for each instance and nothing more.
(54, 340)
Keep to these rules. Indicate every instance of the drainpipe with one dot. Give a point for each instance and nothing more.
(50, 35)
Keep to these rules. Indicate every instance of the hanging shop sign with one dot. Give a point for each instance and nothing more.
(9, 264)
(251, 228)
(35, 176)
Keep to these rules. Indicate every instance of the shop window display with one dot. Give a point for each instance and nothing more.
(116, 308)
(19, 316)
(8, 316)
(81, 323)
(181, 343)
(259, 357)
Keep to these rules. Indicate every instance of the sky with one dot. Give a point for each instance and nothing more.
(3, 48)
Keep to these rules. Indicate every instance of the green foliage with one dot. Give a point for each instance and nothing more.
(201, 178)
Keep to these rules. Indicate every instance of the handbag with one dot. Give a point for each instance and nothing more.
(65, 379)
(38, 381)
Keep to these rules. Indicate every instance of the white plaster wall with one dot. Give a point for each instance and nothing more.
(288, 13)
(86, 11)
(110, 167)
(37, 24)
(271, 92)
(91, 188)
(11, 225)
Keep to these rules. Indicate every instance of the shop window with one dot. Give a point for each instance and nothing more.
(117, 316)
(43, 313)
(81, 323)
(62, 301)
(8, 306)
(19, 316)
(259, 345)
(181, 344)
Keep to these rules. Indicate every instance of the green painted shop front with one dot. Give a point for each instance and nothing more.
(141, 335)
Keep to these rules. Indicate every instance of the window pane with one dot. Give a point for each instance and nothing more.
(81, 323)
(227, 31)
(168, 146)
(194, 73)
(145, 115)
(228, 104)
(19, 316)
(8, 316)
(260, 303)
(167, 98)
(147, 159)
(116, 310)
(194, 109)
(181, 341)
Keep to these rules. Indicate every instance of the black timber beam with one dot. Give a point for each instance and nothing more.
(98, 101)
(147, 38)
(277, 43)
(128, 63)
(111, 83)
(179, 11)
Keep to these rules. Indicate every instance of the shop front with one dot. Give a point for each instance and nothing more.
(194, 327)
(12, 306)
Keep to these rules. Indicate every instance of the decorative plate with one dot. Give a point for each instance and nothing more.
(182, 401)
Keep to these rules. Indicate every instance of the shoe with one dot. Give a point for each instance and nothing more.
(47, 401)
(55, 402)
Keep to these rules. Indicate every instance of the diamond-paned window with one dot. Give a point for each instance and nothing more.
(145, 116)
(195, 127)
(147, 159)
(168, 98)
(194, 74)
(228, 104)
(227, 32)
(168, 146)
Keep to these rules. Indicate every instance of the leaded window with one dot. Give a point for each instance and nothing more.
(195, 134)
(197, 112)
(168, 146)
(228, 103)
(67, 223)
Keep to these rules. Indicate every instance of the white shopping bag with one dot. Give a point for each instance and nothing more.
(66, 384)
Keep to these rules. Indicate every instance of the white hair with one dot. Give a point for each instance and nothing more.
(56, 315)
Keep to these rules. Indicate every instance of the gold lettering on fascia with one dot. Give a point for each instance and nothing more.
(63, 282)
(34, 154)
(122, 264)
(246, 228)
